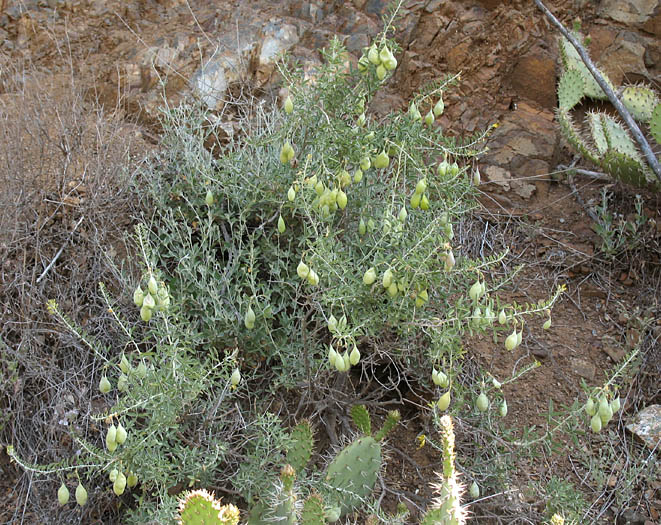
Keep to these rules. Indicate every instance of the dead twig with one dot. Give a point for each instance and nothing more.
(59, 252)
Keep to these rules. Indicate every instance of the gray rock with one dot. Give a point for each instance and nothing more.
(212, 80)
(356, 42)
(646, 425)
(277, 37)
(628, 11)
(624, 57)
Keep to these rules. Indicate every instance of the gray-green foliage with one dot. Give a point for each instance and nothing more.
(608, 143)
(231, 258)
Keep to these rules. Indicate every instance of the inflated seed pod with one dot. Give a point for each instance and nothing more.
(121, 434)
(369, 276)
(145, 313)
(482, 402)
(615, 404)
(119, 485)
(124, 365)
(313, 278)
(131, 480)
(152, 285)
(302, 270)
(590, 407)
(332, 355)
(332, 324)
(235, 379)
(63, 494)
(81, 494)
(148, 301)
(373, 55)
(341, 199)
(249, 319)
(138, 296)
(122, 382)
(511, 341)
(354, 356)
(104, 385)
(444, 401)
(439, 107)
(288, 105)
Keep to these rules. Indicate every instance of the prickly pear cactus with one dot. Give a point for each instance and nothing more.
(281, 505)
(655, 123)
(640, 101)
(391, 421)
(351, 476)
(608, 143)
(200, 507)
(361, 419)
(571, 89)
(313, 511)
(571, 61)
(300, 452)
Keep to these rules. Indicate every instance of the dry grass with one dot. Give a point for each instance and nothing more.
(64, 205)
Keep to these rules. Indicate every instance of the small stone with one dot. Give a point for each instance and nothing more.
(646, 425)
(584, 368)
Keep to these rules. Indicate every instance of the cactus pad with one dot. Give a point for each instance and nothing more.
(627, 169)
(433, 517)
(200, 507)
(351, 476)
(640, 101)
(361, 419)
(597, 129)
(281, 510)
(573, 136)
(570, 89)
(571, 60)
(300, 452)
(591, 88)
(655, 124)
(391, 420)
(280, 506)
(617, 137)
(313, 511)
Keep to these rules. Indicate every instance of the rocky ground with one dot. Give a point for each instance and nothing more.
(133, 56)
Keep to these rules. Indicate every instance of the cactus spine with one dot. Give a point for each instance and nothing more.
(447, 509)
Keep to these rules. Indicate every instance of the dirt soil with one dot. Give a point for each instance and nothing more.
(598, 319)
